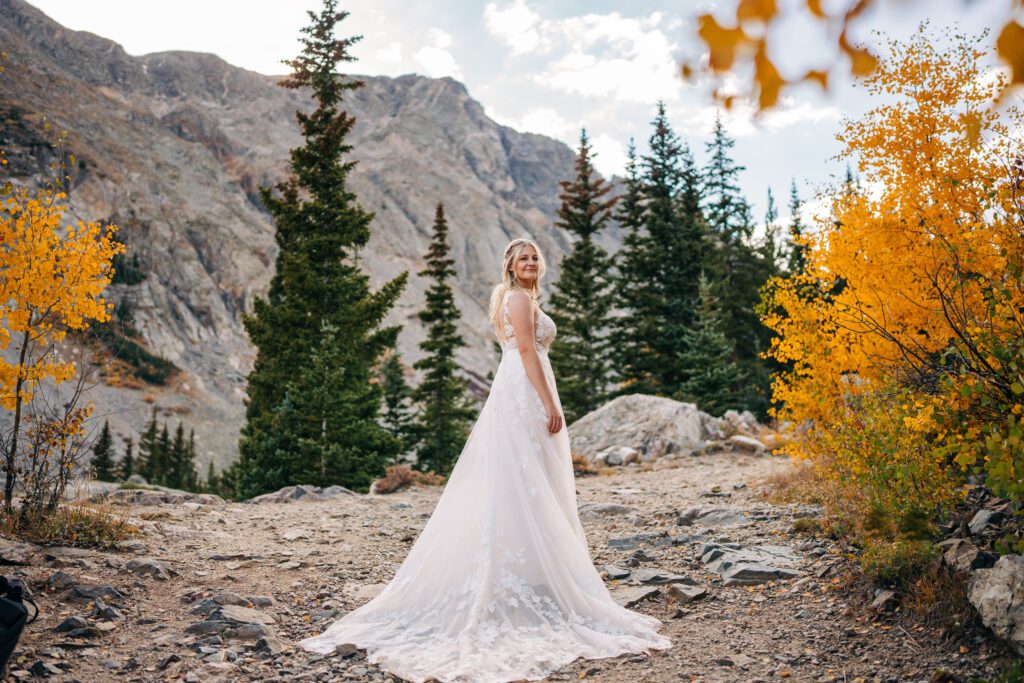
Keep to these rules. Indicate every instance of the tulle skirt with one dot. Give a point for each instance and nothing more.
(499, 585)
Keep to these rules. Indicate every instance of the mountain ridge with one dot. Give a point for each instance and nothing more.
(172, 147)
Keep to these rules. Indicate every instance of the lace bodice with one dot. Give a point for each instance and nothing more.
(544, 330)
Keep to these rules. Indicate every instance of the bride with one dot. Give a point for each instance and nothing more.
(499, 585)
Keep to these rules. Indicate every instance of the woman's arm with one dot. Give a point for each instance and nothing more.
(520, 310)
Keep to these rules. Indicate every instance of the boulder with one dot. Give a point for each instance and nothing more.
(17, 552)
(653, 425)
(290, 494)
(998, 595)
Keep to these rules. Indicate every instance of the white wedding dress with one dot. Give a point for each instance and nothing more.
(499, 585)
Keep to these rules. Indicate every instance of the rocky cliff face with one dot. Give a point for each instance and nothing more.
(173, 147)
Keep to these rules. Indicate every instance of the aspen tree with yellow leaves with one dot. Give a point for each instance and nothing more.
(904, 334)
(52, 276)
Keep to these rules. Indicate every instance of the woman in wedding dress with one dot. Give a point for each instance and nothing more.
(499, 585)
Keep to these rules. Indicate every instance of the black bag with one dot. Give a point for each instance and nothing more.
(13, 618)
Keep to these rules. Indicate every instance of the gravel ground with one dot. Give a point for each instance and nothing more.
(300, 565)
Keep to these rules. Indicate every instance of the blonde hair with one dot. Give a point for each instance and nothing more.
(508, 280)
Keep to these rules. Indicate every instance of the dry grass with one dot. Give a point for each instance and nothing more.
(398, 477)
(581, 467)
(91, 525)
(938, 599)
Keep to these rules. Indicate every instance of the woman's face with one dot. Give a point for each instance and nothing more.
(526, 266)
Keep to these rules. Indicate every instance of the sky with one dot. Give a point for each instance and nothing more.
(554, 66)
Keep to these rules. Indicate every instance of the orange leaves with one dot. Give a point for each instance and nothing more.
(862, 62)
(722, 42)
(750, 39)
(1010, 47)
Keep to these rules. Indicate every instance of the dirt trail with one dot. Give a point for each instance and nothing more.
(316, 560)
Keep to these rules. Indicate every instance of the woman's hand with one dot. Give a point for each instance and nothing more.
(555, 419)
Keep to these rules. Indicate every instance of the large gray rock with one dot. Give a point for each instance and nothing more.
(998, 595)
(654, 425)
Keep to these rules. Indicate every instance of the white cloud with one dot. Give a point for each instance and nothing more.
(517, 25)
(436, 59)
(609, 155)
(598, 55)
(392, 54)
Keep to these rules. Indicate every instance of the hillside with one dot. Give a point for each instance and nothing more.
(173, 147)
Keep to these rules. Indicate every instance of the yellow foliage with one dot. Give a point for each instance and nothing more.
(51, 280)
(913, 285)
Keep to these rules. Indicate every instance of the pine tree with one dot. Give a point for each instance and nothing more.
(162, 453)
(635, 266)
(738, 267)
(191, 479)
(396, 418)
(797, 261)
(318, 296)
(127, 466)
(148, 462)
(444, 411)
(213, 482)
(581, 297)
(103, 455)
(714, 378)
(678, 243)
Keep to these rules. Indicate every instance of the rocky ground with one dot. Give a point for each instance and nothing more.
(221, 591)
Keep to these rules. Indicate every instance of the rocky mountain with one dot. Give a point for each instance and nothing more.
(173, 146)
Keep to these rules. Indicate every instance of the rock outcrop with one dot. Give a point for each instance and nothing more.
(640, 428)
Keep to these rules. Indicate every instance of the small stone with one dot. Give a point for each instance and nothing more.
(167, 661)
(145, 566)
(685, 594)
(884, 599)
(71, 623)
(345, 649)
(631, 596)
(45, 670)
(93, 592)
(60, 581)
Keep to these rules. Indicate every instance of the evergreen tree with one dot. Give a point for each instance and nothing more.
(148, 462)
(103, 455)
(127, 466)
(636, 266)
(444, 411)
(678, 242)
(581, 297)
(714, 378)
(727, 212)
(213, 482)
(190, 480)
(738, 268)
(162, 458)
(318, 296)
(175, 459)
(797, 261)
(397, 418)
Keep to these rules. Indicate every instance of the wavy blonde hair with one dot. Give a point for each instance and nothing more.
(508, 281)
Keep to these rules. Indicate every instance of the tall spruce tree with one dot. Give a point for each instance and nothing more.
(103, 455)
(581, 298)
(444, 411)
(635, 266)
(714, 378)
(397, 416)
(126, 468)
(318, 296)
(797, 261)
(678, 241)
(149, 458)
(191, 479)
(163, 457)
(738, 267)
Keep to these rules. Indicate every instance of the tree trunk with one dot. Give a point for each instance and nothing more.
(9, 470)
